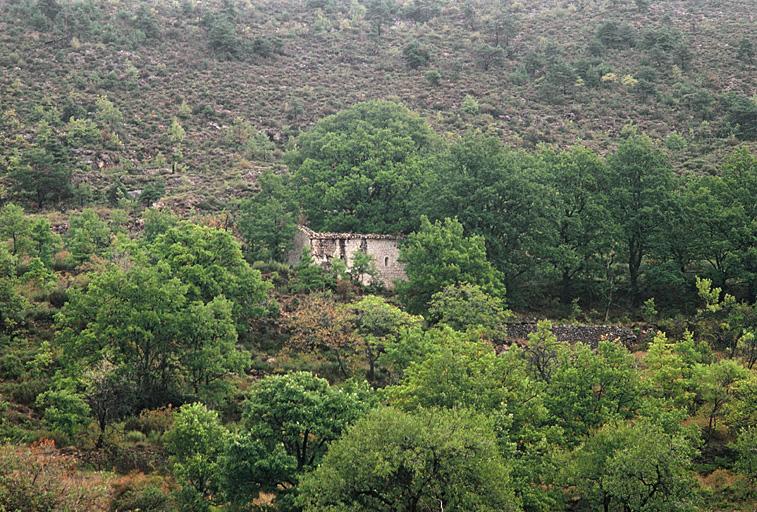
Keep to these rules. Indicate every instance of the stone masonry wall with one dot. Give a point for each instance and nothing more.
(326, 247)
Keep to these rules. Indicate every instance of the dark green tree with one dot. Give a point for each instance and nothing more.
(497, 194)
(579, 215)
(287, 424)
(355, 171)
(640, 190)
(42, 172)
(439, 255)
(267, 221)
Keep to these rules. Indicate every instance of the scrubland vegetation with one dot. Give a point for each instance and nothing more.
(545, 163)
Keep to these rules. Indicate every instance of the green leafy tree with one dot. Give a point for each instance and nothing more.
(15, 227)
(355, 170)
(157, 222)
(465, 306)
(303, 413)
(44, 241)
(267, 221)
(143, 321)
(249, 466)
(379, 324)
(635, 467)
(439, 255)
(746, 450)
(88, 235)
(288, 422)
(541, 351)
(401, 462)
(13, 306)
(195, 442)
(109, 395)
(640, 181)
(716, 386)
(210, 262)
(740, 412)
(589, 388)
(668, 373)
(459, 373)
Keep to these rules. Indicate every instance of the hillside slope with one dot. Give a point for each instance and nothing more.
(531, 72)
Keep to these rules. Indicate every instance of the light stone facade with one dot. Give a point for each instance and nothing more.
(326, 247)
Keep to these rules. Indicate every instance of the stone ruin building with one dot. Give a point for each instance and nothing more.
(326, 247)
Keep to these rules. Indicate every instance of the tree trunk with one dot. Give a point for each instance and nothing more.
(565, 293)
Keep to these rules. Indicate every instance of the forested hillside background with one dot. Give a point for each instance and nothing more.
(574, 186)
(528, 72)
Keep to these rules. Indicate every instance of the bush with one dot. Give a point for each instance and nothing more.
(38, 478)
(152, 421)
(470, 105)
(616, 35)
(152, 192)
(433, 76)
(675, 142)
(223, 39)
(266, 46)
(416, 55)
(138, 493)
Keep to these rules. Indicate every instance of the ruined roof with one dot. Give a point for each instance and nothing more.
(315, 235)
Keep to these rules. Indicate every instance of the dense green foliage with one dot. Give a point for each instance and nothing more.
(573, 189)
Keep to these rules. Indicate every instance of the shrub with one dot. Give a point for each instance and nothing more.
(616, 35)
(675, 142)
(223, 39)
(266, 46)
(138, 493)
(433, 76)
(152, 421)
(416, 55)
(81, 132)
(470, 105)
(152, 192)
(38, 478)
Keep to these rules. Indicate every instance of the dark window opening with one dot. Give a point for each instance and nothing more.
(386, 261)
